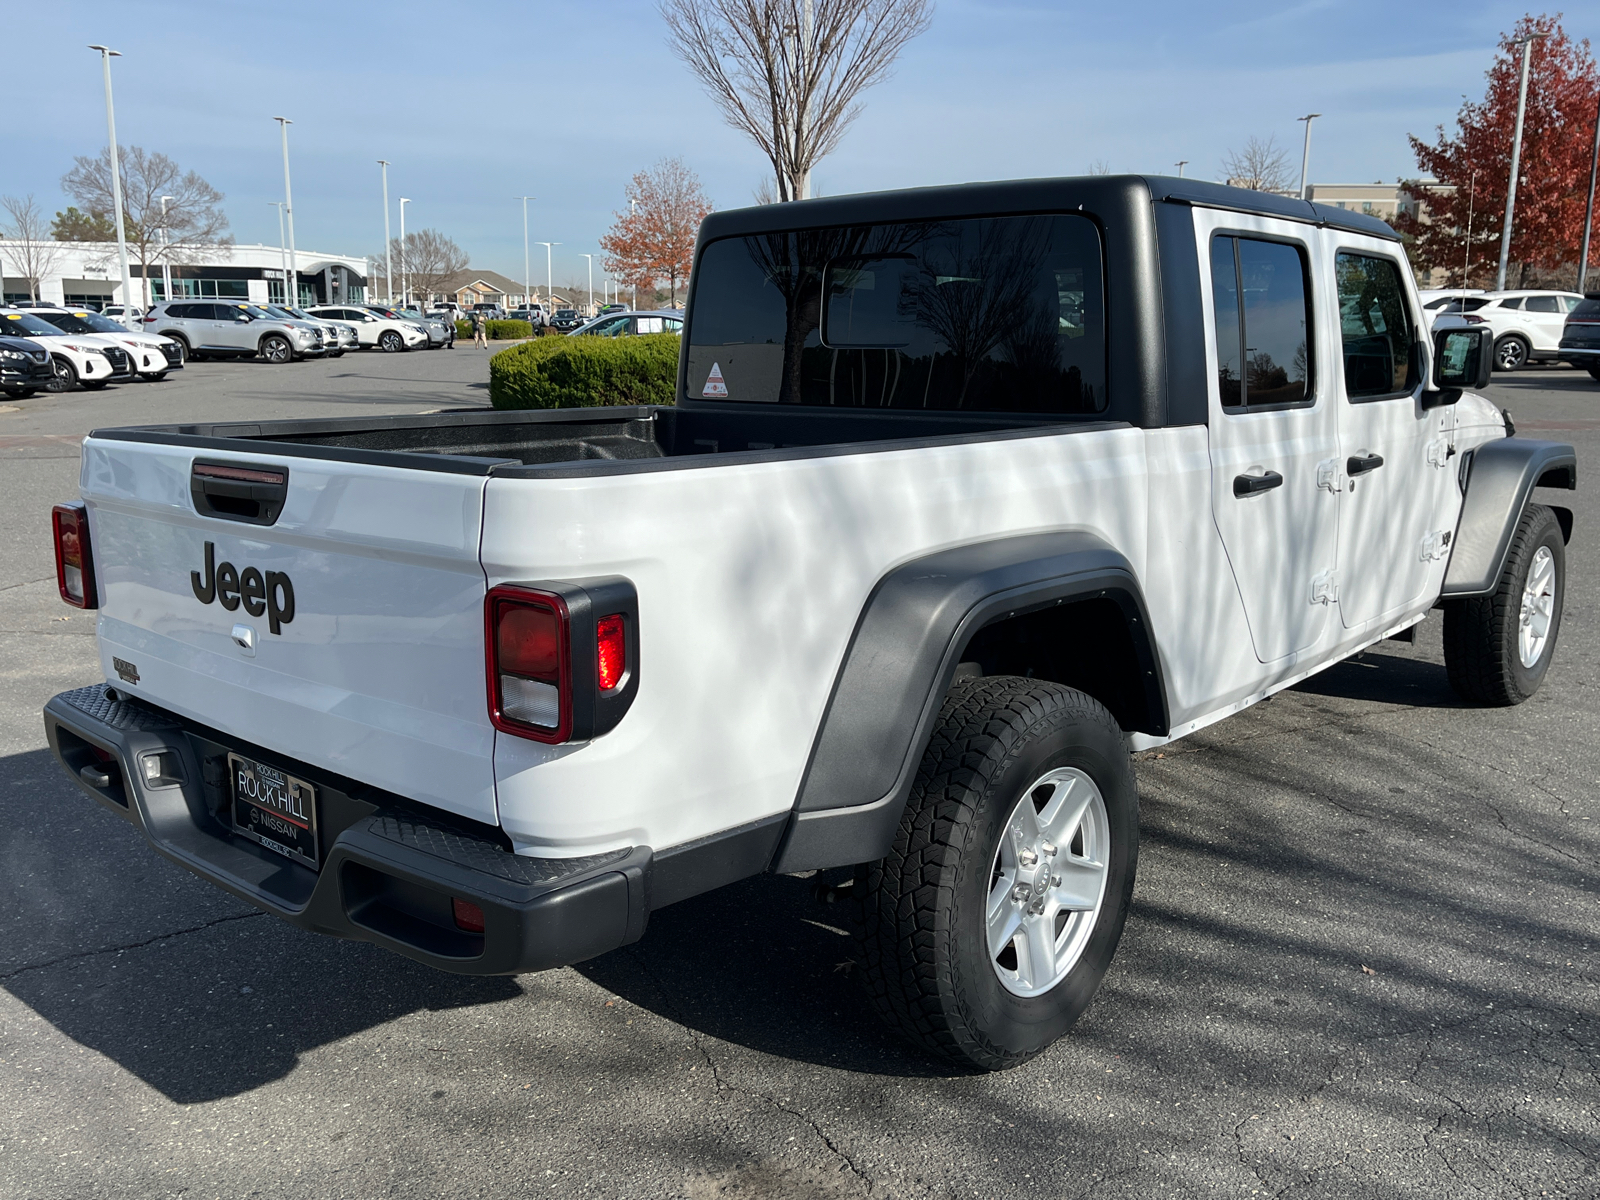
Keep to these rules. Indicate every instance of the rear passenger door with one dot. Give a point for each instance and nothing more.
(1547, 315)
(1396, 470)
(1273, 429)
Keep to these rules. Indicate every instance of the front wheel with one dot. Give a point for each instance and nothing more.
(1498, 647)
(391, 341)
(276, 349)
(63, 377)
(1511, 353)
(987, 929)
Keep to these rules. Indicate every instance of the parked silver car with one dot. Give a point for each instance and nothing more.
(338, 335)
(234, 329)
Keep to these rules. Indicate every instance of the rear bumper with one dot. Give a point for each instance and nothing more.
(389, 871)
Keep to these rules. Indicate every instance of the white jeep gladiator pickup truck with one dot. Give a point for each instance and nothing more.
(968, 493)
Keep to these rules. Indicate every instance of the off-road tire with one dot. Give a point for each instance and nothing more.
(1512, 353)
(1481, 650)
(921, 940)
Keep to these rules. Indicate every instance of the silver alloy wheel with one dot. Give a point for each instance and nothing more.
(1538, 607)
(1048, 881)
(1510, 354)
(275, 350)
(63, 378)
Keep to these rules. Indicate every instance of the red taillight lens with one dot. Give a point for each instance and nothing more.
(74, 562)
(1472, 320)
(468, 915)
(611, 661)
(530, 690)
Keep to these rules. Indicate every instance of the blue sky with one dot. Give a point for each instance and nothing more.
(476, 103)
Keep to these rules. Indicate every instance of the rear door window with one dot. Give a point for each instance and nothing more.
(1375, 327)
(1544, 304)
(999, 314)
(1262, 312)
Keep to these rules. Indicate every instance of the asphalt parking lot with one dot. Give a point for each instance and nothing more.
(1361, 961)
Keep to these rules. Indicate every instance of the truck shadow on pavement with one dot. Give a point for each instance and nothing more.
(195, 993)
(1385, 679)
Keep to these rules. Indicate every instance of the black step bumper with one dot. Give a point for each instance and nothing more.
(388, 872)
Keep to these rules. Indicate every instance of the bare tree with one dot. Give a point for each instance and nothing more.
(27, 242)
(426, 259)
(790, 73)
(655, 239)
(1099, 167)
(193, 222)
(1262, 166)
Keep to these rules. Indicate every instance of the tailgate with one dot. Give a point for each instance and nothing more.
(378, 672)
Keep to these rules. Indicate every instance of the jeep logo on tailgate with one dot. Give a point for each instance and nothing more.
(271, 593)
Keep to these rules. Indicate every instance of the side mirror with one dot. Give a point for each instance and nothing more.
(1461, 361)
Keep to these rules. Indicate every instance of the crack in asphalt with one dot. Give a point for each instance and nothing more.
(160, 937)
(26, 583)
(720, 1084)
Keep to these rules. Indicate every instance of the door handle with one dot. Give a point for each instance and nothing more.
(1249, 485)
(1361, 464)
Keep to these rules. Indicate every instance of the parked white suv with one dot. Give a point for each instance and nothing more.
(153, 355)
(234, 329)
(93, 360)
(374, 329)
(1526, 324)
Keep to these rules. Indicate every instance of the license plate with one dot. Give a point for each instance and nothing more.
(274, 809)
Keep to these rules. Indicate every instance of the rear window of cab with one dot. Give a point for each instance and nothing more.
(993, 314)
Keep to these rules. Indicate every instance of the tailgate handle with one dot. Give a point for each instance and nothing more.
(239, 491)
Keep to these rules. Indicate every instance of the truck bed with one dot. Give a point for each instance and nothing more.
(566, 442)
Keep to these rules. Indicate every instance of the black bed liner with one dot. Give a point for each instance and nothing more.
(577, 442)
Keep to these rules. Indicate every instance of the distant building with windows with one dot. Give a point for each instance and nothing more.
(465, 288)
(1386, 201)
(89, 274)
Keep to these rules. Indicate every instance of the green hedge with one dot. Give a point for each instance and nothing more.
(498, 331)
(586, 372)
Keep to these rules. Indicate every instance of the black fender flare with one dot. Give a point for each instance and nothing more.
(1500, 477)
(899, 665)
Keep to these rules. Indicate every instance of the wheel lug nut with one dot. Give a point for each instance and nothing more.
(1020, 893)
(1027, 858)
(1055, 881)
(1049, 849)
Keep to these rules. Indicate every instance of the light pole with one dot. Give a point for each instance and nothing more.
(291, 284)
(1305, 155)
(1466, 250)
(549, 275)
(590, 257)
(405, 265)
(106, 55)
(1516, 157)
(283, 249)
(1588, 205)
(388, 250)
(527, 273)
(166, 260)
(1181, 164)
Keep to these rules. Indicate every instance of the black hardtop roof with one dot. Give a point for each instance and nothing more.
(1094, 193)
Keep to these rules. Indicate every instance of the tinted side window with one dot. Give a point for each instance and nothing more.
(1545, 304)
(1374, 326)
(1263, 322)
(1514, 302)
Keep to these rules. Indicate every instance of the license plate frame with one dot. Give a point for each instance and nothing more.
(274, 809)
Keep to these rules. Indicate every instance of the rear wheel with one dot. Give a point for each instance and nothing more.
(1498, 647)
(154, 377)
(276, 349)
(391, 341)
(1594, 372)
(1511, 353)
(20, 393)
(64, 376)
(987, 929)
(94, 385)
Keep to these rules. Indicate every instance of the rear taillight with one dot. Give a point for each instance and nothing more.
(611, 654)
(562, 657)
(74, 562)
(530, 685)
(148, 320)
(1472, 320)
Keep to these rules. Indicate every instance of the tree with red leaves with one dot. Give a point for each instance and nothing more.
(1557, 133)
(654, 241)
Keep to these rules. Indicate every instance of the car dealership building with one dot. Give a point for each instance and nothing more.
(88, 274)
